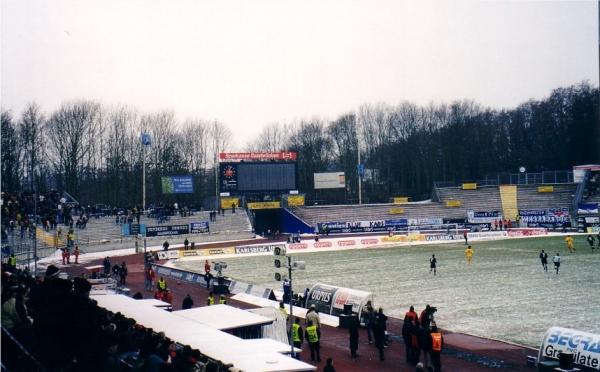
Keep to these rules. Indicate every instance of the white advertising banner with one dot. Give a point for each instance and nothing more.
(331, 180)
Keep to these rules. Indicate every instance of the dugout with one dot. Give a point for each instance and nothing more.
(330, 299)
(568, 349)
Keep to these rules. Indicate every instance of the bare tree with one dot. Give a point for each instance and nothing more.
(32, 140)
(11, 154)
(69, 133)
(272, 138)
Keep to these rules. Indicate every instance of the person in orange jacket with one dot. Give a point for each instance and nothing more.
(437, 344)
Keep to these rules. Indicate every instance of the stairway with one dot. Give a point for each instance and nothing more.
(508, 195)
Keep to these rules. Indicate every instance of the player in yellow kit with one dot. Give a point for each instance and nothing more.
(570, 245)
(469, 254)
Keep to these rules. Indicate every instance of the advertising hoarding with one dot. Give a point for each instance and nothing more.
(330, 180)
(177, 185)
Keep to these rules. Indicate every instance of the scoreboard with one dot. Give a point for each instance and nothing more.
(257, 176)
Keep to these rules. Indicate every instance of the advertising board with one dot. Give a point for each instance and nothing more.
(227, 202)
(400, 199)
(165, 230)
(469, 186)
(321, 295)
(330, 180)
(453, 203)
(551, 217)
(584, 346)
(199, 227)
(295, 200)
(363, 226)
(261, 248)
(483, 216)
(264, 205)
(255, 156)
(527, 232)
(177, 185)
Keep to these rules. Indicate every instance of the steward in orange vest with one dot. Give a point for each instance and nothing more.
(437, 343)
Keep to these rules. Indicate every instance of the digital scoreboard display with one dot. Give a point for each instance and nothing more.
(259, 176)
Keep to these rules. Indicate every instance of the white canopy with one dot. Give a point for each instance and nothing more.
(211, 342)
(223, 317)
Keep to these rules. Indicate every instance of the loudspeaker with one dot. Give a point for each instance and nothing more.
(347, 309)
(220, 289)
(565, 360)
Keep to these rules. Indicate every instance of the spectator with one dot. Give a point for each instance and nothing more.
(166, 246)
(106, 264)
(187, 302)
(369, 319)
(222, 300)
(186, 243)
(207, 278)
(149, 278)
(161, 284)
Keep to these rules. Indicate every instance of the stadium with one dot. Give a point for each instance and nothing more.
(276, 186)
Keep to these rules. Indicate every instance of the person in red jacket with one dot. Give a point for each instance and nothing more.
(206, 267)
(412, 316)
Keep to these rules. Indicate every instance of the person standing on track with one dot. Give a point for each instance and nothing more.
(570, 245)
(469, 254)
(556, 261)
(544, 260)
(432, 264)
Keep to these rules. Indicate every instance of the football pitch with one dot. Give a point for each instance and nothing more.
(504, 294)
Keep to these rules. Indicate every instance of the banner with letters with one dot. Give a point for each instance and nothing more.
(483, 216)
(199, 227)
(587, 208)
(166, 230)
(550, 217)
(257, 248)
(363, 226)
(264, 205)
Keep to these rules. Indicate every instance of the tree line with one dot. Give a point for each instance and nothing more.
(95, 152)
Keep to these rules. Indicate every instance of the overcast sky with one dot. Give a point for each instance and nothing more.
(250, 63)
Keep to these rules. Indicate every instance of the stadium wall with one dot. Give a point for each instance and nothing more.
(291, 224)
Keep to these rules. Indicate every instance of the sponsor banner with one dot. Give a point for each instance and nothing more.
(264, 248)
(330, 180)
(394, 239)
(168, 255)
(296, 246)
(346, 243)
(228, 201)
(165, 230)
(490, 235)
(545, 188)
(483, 216)
(169, 272)
(469, 186)
(295, 200)
(363, 226)
(527, 232)
(264, 205)
(453, 203)
(587, 208)
(216, 251)
(400, 199)
(396, 211)
(440, 237)
(425, 221)
(345, 296)
(593, 230)
(584, 346)
(592, 219)
(199, 227)
(369, 241)
(326, 244)
(321, 296)
(280, 155)
(177, 185)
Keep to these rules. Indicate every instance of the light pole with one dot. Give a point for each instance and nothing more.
(146, 141)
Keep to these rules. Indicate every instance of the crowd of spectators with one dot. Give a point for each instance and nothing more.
(56, 325)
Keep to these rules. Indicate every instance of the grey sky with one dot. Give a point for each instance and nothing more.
(250, 63)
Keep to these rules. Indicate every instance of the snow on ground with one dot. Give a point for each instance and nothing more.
(504, 294)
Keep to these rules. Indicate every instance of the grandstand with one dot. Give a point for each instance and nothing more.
(484, 198)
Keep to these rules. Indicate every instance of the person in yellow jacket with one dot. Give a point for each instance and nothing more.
(211, 299)
(469, 254)
(283, 310)
(297, 336)
(162, 284)
(222, 300)
(437, 343)
(570, 245)
(312, 335)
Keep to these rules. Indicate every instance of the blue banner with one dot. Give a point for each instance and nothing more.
(177, 185)
(587, 208)
(199, 227)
